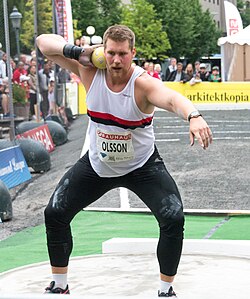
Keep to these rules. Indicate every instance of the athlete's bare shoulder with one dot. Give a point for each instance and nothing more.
(87, 74)
(144, 85)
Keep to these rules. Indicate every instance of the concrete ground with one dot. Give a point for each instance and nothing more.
(208, 269)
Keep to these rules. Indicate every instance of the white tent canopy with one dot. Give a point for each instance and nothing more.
(235, 56)
(242, 37)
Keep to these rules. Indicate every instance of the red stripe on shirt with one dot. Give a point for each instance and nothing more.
(132, 123)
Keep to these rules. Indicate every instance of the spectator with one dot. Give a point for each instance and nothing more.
(178, 75)
(203, 72)
(24, 83)
(33, 90)
(3, 66)
(151, 71)
(189, 72)
(4, 99)
(32, 62)
(158, 70)
(84, 41)
(196, 79)
(44, 76)
(51, 96)
(196, 67)
(77, 42)
(18, 72)
(172, 67)
(146, 65)
(23, 58)
(12, 66)
(215, 76)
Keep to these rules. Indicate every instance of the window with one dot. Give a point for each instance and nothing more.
(218, 2)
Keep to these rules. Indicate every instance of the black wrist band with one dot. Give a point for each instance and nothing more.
(71, 51)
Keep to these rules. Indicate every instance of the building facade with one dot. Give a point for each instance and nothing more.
(217, 10)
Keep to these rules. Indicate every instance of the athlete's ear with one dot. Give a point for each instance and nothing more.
(134, 52)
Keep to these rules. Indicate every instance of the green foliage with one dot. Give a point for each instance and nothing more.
(192, 32)
(77, 32)
(151, 40)
(244, 12)
(44, 21)
(98, 13)
(19, 94)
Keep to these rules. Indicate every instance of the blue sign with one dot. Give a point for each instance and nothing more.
(13, 167)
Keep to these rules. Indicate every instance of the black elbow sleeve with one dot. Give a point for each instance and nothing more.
(71, 51)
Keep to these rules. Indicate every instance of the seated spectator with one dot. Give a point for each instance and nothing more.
(178, 75)
(152, 72)
(203, 72)
(215, 76)
(4, 99)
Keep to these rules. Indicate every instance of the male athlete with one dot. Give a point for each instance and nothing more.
(121, 100)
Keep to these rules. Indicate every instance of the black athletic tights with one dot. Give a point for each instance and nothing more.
(81, 186)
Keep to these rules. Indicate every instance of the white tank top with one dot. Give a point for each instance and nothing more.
(121, 136)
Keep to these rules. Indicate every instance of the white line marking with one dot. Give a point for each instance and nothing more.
(215, 132)
(231, 138)
(124, 200)
(229, 121)
(171, 133)
(232, 132)
(167, 140)
(180, 127)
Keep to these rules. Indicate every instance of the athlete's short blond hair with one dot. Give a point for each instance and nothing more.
(119, 33)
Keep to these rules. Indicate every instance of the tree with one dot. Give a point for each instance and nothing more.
(98, 13)
(151, 40)
(10, 3)
(192, 32)
(44, 21)
(244, 10)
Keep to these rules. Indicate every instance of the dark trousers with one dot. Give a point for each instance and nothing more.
(33, 102)
(81, 186)
(44, 105)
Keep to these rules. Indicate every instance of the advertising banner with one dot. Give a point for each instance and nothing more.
(233, 18)
(72, 97)
(214, 93)
(64, 24)
(41, 134)
(13, 167)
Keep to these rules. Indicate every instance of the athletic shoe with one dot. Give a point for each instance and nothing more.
(170, 293)
(51, 290)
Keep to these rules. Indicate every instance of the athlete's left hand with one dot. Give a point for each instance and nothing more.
(200, 130)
